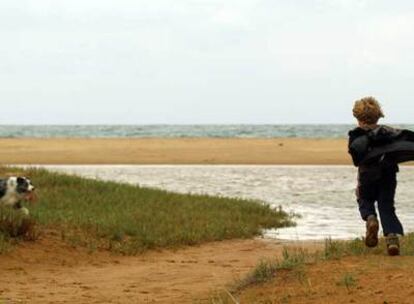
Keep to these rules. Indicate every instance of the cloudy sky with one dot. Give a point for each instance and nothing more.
(203, 61)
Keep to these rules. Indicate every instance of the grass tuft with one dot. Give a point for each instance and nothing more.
(407, 245)
(15, 225)
(349, 281)
(293, 258)
(337, 249)
(266, 270)
(5, 244)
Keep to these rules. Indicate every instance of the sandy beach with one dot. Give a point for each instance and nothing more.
(49, 271)
(53, 271)
(283, 151)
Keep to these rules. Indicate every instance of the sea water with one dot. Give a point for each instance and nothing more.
(139, 131)
(323, 196)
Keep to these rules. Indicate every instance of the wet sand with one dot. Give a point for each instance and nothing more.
(277, 151)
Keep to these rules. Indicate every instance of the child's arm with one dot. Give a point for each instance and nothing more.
(358, 145)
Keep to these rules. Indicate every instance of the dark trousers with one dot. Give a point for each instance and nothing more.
(378, 184)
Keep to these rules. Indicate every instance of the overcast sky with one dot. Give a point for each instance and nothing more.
(204, 61)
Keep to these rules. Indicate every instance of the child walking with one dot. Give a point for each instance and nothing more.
(374, 151)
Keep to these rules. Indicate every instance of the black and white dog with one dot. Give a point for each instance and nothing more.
(13, 190)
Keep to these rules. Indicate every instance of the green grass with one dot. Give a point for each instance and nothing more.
(130, 219)
(4, 244)
(267, 269)
(264, 271)
(15, 226)
(349, 281)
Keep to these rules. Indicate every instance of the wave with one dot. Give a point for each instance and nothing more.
(179, 131)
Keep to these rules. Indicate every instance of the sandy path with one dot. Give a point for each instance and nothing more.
(174, 151)
(49, 271)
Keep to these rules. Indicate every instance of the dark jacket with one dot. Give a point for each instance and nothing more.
(372, 146)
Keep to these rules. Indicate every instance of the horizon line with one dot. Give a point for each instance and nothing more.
(189, 124)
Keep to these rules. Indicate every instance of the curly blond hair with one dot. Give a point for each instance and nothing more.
(367, 110)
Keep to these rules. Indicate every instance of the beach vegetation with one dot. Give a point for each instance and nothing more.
(295, 262)
(264, 271)
(349, 281)
(4, 244)
(130, 219)
(267, 269)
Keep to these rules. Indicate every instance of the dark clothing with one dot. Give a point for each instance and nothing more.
(378, 184)
(367, 146)
(376, 153)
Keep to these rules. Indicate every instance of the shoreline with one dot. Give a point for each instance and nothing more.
(176, 151)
